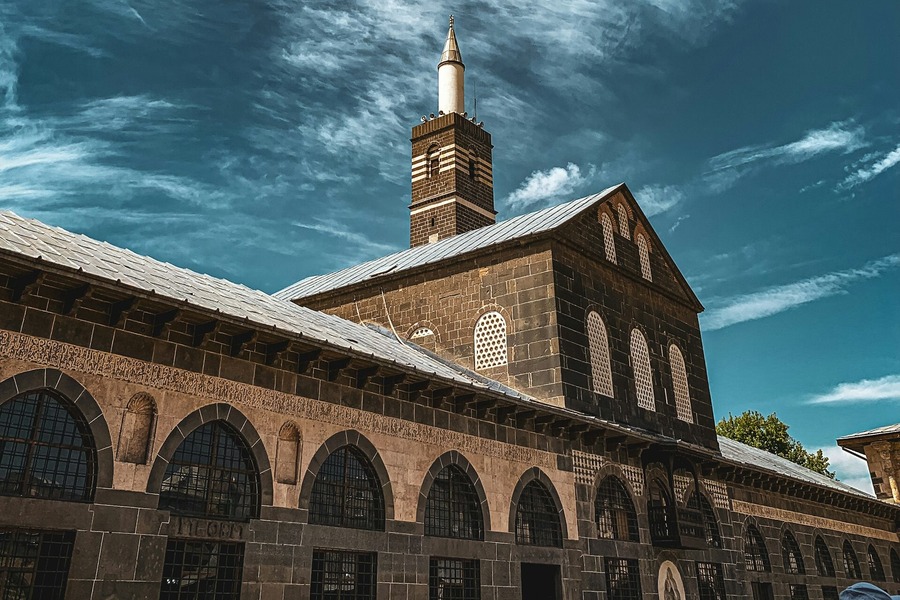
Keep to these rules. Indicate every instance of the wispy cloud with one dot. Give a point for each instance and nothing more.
(655, 199)
(539, 187)
(865, 390)
(774, 300)
(849, 469)
(876, 168)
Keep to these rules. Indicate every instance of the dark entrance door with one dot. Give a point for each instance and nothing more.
(540, 582)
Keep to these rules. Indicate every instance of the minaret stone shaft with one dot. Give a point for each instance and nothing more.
(451, 76)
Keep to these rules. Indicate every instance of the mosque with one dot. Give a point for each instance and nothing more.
(508, 410)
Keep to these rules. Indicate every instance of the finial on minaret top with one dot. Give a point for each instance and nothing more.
(451, 70)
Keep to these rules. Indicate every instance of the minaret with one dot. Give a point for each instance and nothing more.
(452, 178)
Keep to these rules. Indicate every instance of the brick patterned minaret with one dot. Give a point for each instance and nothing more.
(452, 178)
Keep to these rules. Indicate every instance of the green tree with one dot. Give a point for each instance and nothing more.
(771, 434)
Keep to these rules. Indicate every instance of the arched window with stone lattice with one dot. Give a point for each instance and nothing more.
(643, 375)
(644, 255)
(609, 239)
(490, 341)
(824, 564)
(598, 346)
(452, 508)
(699, 503)
(851, 563)
(790, 553)
(614, 512)
(624, 230)
(756, 556)
(287, 453)
(347, 492)
(138, 424)
(876, 569)
(46, 448)
(680, 385)
(537, 520)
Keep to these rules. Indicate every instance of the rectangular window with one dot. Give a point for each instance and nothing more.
(798, 592)
(762, 590)
(35, 564)
(202, 571)
(710, 581)
(830, 592)
(623, 579)
(340, 575)
(454, 579)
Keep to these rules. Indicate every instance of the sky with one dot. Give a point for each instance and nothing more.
(267, 140)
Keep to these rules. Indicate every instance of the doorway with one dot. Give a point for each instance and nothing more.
(541, 582)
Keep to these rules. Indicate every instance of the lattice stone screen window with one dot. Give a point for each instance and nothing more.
(421, 332)
(643, 376)
(680, 384)
(598, 345)
(609, 242)
(623, 222)
(490, 341)
(644, 253)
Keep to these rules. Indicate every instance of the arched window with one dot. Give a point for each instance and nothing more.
(710, 524)
(615, 513)
(851, 563)
(421, 332)
(790, 553)
(490, 341)
(644, 254)
(609, 241)
(598, 345)
(433, 160)
(537, 520)
(824, 564)
(876, 569)
(756, 557)
(46, 449)
(137, 427)
(453, 509)
(624, 231)
(680, 385)
(347, 492)
(212, 474)
(895, 565)
(287, 454)
(643, 376)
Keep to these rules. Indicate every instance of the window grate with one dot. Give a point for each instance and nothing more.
(47, 449)
(790, 552)
(895, 565)
(35, 564)
(824, 564)
(623, 579)
(212, 474)
(756, 556)
(609, 241)
(624, 231)
(196, 570)
(420, 333)
(454, 579)
(343, 575)
(643, 376)
(537, 520)
(851, 563)
(644, 253)
(598, 346)
(615, 513)
(710, 581)
(490, 341)
(799, 592)
(453, 508)
(876, 569)
(710, 524)
(680, 385)
(347, 492)
(830, 592)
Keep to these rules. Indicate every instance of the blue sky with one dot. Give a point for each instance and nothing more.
(267, 140)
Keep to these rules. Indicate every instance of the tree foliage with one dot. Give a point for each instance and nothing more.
(771, 434)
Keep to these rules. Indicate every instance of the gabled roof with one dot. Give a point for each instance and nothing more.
(857, 442)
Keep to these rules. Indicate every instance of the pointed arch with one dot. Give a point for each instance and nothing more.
(824, 564)
(447, 460)
(624, 228)
(895, 565)
(614, 511)
(699, 502)
(598, 348)
(876, 569)
(756, 555)
(851, 563)
(536, 514)
(791, 555)
(680, 384)
(609, 238)
(453, 505)
(643, 375)
(644, 255)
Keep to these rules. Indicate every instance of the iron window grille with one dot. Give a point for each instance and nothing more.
(851, 563)
(347, 492)
(453, 508)
(537, 520)
(615, 512)
(454, 579)
(876, 569)
(195, 570)
(623, 579)
(830, 592)
(799, 592)
(710, 581)
(699, 502)
(212, 474)
(824, 564)
(343, 575)
(35, 564)
(762, 590)
(790, 551)
(756, 556)
(895, 565)
(46, 449)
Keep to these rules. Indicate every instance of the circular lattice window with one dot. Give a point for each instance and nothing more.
(490, 341)
(421, 332)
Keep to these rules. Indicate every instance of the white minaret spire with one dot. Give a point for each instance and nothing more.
(451, 75)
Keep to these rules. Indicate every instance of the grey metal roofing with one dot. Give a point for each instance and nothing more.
(517, 227)
(884, 430)
(748, 455)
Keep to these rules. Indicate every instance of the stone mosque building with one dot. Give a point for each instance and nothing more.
(514, 409)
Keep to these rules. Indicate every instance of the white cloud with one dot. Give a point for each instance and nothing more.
(771, 301)
(849, 469)
(866, 173)
(655, 199)
(541, 186)
(865, 390)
